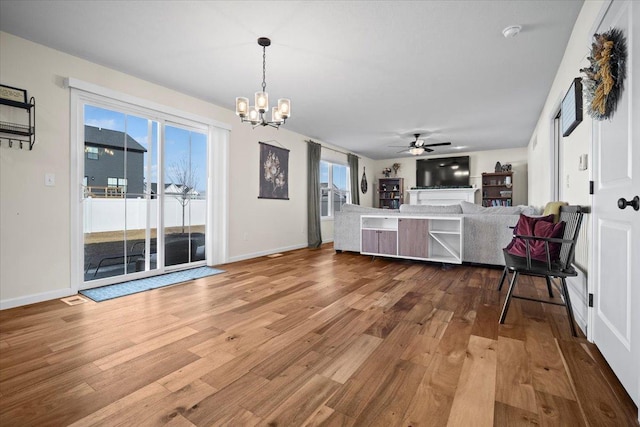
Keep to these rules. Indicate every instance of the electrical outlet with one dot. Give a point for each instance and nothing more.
(50, 179)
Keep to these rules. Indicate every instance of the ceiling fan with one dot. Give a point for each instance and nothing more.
(419, 146)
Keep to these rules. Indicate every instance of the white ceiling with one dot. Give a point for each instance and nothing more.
(362, 75)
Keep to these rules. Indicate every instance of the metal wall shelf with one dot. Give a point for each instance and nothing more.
(21, 130)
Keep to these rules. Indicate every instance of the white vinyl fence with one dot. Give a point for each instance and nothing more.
(102, 214)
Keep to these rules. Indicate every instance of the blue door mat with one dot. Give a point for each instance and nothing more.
(140, 285)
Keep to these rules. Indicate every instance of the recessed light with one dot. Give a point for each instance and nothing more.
(511, 31)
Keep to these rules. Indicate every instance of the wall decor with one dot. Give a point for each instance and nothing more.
(274, 172)
(571, 108)
(363, 182)
(604, 81)
(13, 94)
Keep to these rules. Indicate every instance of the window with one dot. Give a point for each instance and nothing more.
(334, 188)
(92, 153)
(118, 183)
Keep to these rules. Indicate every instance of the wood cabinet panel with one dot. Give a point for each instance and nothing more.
(412, 237)
(387, 242)
(369, 241)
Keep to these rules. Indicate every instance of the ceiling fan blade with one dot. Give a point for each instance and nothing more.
(427, 150)
(437, 144)
(397, 146)
(403, 151)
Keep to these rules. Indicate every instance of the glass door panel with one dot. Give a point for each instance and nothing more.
(185, 178)
(119, 160)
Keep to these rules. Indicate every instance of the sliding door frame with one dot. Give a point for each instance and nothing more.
(82, 93)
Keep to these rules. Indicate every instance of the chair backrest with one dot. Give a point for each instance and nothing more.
(572, 216)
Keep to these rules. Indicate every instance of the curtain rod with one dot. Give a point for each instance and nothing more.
(332, 149)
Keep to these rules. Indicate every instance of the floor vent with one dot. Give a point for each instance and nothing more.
(274, 255)
(74, 300)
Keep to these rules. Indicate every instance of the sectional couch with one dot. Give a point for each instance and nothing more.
(486, 230)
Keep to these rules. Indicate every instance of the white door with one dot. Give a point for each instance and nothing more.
(616, 232)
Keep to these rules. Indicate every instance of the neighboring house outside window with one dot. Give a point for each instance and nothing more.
(92, 153)
(334, 188)
(108, 149)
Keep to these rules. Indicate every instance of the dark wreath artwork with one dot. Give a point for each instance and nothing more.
(604, 81)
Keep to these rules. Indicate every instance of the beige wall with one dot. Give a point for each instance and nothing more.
(479, 162)
(35, 220)
(574, 183)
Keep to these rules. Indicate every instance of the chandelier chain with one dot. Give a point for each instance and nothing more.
(264, 68)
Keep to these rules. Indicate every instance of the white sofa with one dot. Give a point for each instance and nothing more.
(486, 230)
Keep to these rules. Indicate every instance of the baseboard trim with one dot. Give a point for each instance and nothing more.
(264, 253)
(577, 287)
(35, 298)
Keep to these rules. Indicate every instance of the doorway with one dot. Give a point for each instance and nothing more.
(615, 270)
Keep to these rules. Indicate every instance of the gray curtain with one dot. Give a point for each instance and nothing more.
(353, 173)
(314, 236)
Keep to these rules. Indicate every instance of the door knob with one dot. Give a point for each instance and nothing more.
(635, 203)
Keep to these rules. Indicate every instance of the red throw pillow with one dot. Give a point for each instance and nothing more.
(547, 229)
(526, 227)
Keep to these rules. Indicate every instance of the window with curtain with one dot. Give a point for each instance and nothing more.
(334, 188)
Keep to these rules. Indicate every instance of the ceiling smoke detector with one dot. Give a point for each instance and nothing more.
(511, 31)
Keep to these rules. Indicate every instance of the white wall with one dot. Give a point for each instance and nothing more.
(35, 220)
(479, 162)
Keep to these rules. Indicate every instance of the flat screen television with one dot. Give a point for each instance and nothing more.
(444, 172)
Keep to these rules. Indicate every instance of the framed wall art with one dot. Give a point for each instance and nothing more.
(572, 107)
(274, 172)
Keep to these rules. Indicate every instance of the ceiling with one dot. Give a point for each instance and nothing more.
(362, 75)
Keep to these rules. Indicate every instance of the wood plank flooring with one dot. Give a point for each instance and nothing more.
(308, 338)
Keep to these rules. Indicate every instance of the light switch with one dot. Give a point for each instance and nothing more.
(50, 179)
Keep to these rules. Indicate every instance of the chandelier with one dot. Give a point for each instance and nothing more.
(255, 114)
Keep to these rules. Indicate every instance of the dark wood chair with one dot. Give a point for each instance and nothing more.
(560, 268)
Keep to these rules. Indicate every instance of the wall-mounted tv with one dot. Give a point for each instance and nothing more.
(444, 172)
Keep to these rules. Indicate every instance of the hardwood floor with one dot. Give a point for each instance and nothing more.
(308, 338)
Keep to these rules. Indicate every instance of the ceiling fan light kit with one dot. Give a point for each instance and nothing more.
(255, 114)
(419, 146)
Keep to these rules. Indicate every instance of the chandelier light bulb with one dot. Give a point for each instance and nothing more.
(284, 106)
(262, 101)
(275, 116)
(242, 106)
(254, 116)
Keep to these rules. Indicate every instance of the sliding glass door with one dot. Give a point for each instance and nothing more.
(143, 196)
(184, 199)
